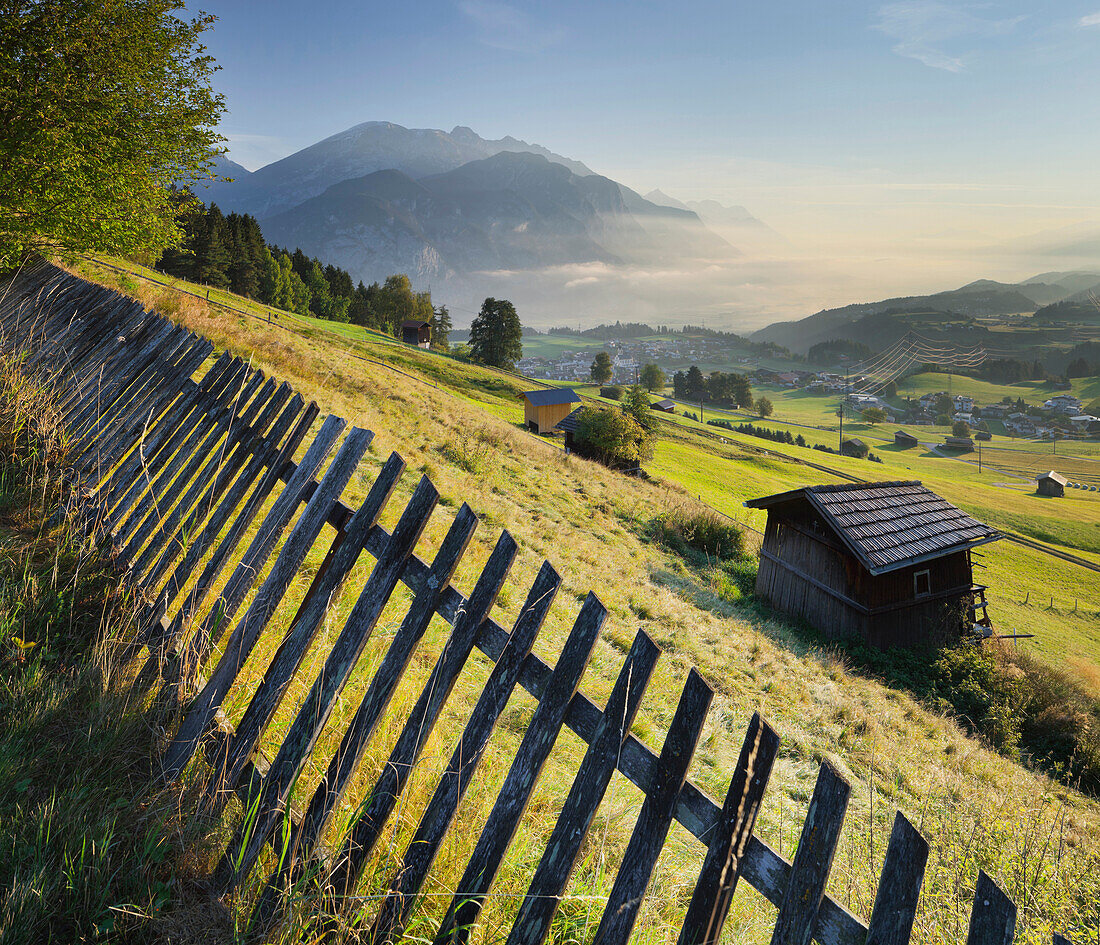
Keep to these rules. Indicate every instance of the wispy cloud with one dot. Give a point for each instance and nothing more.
(506, 27)
(1093, 19)
(940, 35)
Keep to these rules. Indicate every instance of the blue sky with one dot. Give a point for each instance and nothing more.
(858, 126)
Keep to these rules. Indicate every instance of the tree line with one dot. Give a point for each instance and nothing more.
(729, 390)
(228, 251)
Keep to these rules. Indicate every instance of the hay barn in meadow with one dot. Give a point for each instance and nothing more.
(416, 332)
(885, 562)
(545, 409)
(1051, 483)
(665, 406)
(904, 440)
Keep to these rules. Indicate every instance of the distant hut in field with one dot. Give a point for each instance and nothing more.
(961, 443)
(664, 405)
(1051, 483)
(568, 426)
(545, 409)
(885, 562)
(854, 447)
(416, 332)
(984, 435)
(904, 440)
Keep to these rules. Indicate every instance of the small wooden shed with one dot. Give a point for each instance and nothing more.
(961, 443)
(664, 405)
(416, 332)
(904, 440)
(885, 562)
(1051, 483)
(854, 447)
(568, 426)
(545, 409)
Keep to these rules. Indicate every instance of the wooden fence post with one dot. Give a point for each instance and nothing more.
(899, 886)
(813, 859)
(993, 916)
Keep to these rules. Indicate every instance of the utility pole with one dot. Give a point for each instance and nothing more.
(979, 456)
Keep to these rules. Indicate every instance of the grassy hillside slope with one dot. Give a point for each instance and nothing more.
(456, 423)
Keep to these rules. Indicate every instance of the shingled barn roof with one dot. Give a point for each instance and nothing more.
(569, 423)
(551, 396)
(888, 525)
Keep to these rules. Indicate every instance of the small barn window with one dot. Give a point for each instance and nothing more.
(922, 583)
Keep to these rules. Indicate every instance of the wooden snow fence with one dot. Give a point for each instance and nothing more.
(174, 473)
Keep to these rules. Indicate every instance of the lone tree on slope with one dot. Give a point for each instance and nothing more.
(652, 377)
(601, 369)
(496, 336)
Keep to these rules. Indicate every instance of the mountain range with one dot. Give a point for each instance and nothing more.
(449, 207)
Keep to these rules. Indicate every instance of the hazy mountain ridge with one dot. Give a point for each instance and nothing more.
(734, 222)
(983, 297)
(361, 150)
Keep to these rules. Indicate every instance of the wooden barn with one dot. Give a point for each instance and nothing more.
(416, 332)
(961, 443)
(665, 406)
(1051, 483)
(904, 440)
(545, 409)
(884, 562)
(854, 447)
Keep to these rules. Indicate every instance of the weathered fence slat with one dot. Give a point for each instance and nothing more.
(587, 791)
(449, 792)
(899, 885)
(640, 858)
(813, 859)
(511, 803)
(237, 649)
(710, 902)
(993, 915)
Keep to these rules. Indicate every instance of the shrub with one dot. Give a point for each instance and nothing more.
(701, 530)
